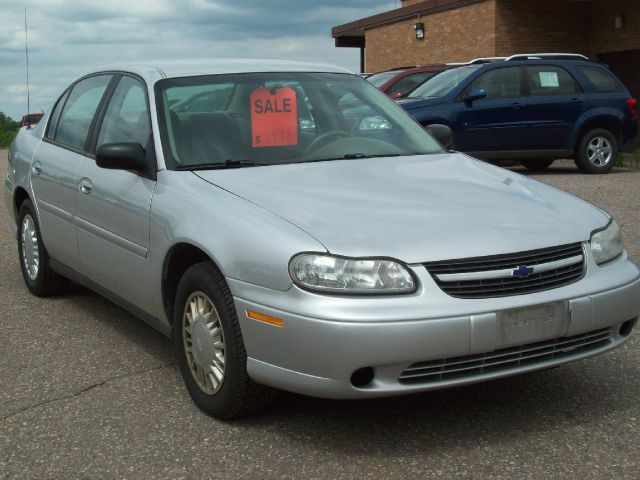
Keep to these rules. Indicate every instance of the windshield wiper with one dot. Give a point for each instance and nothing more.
(231, 163)
(351, 156)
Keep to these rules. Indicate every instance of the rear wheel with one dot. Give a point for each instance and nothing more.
(40, 279)
(536, 165)
(210, 349)
(597, 151)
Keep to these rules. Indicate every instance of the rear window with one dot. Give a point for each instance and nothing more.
(601, 80)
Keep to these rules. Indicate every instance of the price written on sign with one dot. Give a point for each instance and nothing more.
(274, 117)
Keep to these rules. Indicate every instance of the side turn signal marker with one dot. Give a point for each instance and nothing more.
(261, 317)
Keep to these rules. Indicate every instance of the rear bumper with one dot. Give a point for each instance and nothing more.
(317, 357)
(630, 138)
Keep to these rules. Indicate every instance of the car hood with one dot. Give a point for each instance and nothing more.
(413, 103)
(416, 209)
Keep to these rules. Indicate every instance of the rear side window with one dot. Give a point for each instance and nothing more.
(499, 82)
(551, 80)
(79, 110)
(600, 79)
(55, 115)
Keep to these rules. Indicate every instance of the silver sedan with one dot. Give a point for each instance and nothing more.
(290, 227)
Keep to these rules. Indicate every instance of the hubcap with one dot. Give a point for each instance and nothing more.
(203, 342)
(30, 250)
(599, 151)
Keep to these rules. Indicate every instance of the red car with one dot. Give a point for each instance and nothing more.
(395, 83)
(30, 119)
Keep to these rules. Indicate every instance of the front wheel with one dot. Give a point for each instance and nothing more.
(597, 151)
(210, 349)
(536, 165)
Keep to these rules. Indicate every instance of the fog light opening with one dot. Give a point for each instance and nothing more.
(627, 327)
(362, 377)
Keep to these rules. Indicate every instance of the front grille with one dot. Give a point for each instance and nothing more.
(505, 359)
(492, 276)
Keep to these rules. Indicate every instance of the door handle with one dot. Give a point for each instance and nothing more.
(576, 100)
(36, 168)
(85, 186)
(517, 105)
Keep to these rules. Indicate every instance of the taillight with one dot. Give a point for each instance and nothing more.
(633, 107)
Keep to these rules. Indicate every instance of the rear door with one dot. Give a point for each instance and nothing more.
(497, 122)
(555, 103)
(54, 172)
(113, 206)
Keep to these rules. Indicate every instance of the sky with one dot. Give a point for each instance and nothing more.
(67, 38)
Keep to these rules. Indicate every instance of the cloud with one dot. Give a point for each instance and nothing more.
(67, 38)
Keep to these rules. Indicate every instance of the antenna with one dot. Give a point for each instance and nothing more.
(26, 53)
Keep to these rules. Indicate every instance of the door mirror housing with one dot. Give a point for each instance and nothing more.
(125, 156)
(442, 133)
(475, 94)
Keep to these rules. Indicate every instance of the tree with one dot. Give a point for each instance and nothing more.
(8, 130)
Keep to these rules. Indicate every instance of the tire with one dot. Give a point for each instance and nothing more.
(212, 342)
(536, 165)
(597, 151)
(40, 279)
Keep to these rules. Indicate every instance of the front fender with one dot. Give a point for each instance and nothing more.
(247, 242)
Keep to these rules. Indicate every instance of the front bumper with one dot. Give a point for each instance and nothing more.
(325, 339)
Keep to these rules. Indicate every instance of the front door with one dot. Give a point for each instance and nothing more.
(497, 122)
(113, 206)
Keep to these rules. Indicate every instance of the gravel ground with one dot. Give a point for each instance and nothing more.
(86, 390)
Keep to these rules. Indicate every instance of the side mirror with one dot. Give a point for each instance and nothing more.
(475, 94)
(124, 156)
(442, 133)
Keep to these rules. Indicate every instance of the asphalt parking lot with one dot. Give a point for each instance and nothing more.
(87, 390)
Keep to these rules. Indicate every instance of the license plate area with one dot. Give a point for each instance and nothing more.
(520, 326)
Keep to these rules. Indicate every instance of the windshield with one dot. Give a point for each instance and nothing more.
(441, 84)
(238, 120)
(379, 79)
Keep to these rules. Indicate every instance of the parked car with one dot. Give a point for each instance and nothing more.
(406, 80)
(30, 119)
(356, 258)
(534, 111)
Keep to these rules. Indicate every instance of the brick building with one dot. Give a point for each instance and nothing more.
(459, 30)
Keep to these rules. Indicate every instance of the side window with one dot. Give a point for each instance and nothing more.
(551, 80)
(55, 115)
(499, 82)
(127, 116)
(80, 109)
(601, 80)
(409, 82)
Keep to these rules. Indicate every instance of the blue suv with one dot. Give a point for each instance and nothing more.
(535, 111)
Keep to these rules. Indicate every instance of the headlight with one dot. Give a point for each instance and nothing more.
(328, 273)
(606, 244)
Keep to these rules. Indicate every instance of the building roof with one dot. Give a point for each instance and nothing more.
(427, 7)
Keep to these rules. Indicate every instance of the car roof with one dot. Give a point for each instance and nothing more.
(211, 66)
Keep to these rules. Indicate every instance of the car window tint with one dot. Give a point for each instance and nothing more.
(601, 80)
(79, 110)
(55, 115)
(551, 80)
(499, 82)
(409, 82)
(127, 117)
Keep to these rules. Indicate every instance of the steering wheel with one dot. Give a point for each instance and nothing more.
(325, 139)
